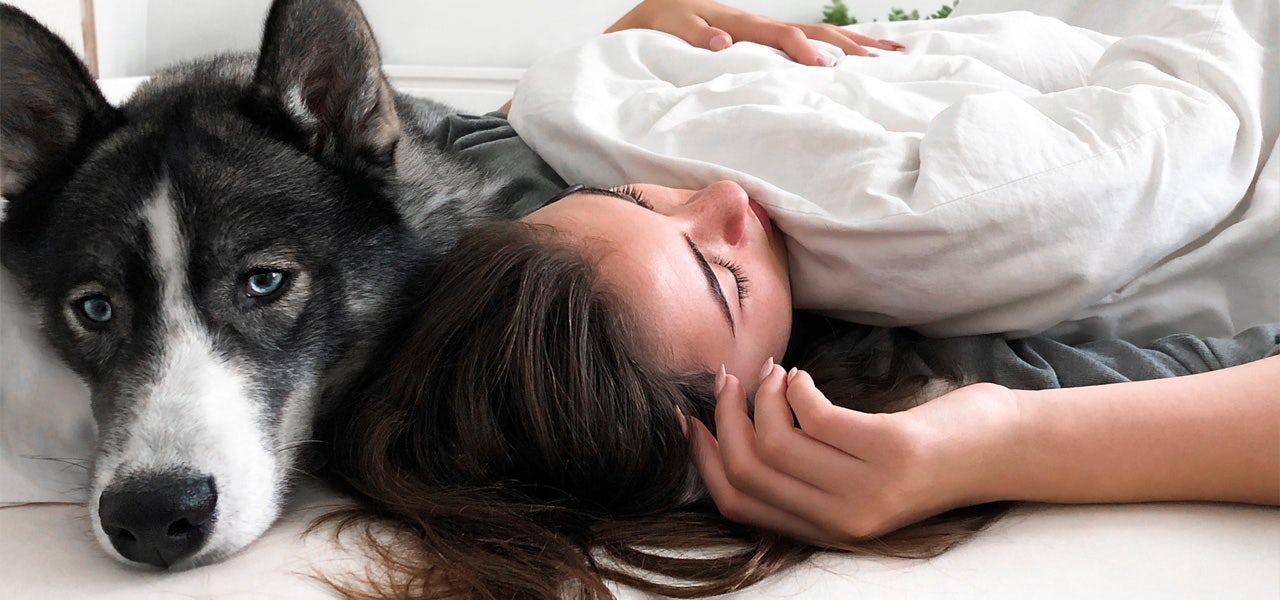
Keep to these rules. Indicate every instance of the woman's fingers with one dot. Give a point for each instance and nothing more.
(853, 433)
(739, 26)
(735, 504)
(739, 452)
(870, 42)
(796, 44)
(788, 449)
(695, 30)
(714, 26)
(836, 37)
(796, 40)
(716, 39)
(842, 475)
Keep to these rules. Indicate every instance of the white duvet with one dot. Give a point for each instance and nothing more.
(1006, 173)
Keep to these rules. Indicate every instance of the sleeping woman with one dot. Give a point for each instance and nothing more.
(624, 386)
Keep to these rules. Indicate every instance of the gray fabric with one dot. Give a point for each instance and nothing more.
(1037, 363)
(491, 143)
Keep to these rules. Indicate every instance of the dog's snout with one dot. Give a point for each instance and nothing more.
(158, 519)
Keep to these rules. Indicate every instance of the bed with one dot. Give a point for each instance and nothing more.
(1169, 550)
(1166, 551)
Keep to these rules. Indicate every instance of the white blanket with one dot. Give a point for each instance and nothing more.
(1006, 173)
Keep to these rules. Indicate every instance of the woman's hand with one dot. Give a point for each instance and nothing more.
(713, 26)
(841, 474)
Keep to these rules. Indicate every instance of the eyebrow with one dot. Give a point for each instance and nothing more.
(712, 283)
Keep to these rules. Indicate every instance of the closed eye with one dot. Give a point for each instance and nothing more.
(626, 192)
(632, 194)
(740, 280)
(713, 283)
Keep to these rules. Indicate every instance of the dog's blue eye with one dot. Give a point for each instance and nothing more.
(265, 283)
(96, 308)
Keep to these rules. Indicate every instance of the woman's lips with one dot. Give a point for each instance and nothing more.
(761, 216)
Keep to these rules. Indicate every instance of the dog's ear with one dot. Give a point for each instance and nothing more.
(319, 70)
(52, 110)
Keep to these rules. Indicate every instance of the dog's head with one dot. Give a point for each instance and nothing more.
(210, 257)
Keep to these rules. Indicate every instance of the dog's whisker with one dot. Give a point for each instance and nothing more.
(291, 445)
(79, 463)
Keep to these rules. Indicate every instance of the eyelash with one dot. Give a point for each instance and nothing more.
(634, 193)
(739, 280)
(744, 285)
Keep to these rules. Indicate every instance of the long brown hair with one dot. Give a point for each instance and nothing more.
(522, 443)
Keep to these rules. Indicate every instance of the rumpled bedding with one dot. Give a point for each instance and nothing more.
(1007, 173)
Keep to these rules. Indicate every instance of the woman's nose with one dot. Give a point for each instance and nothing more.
(720, 212)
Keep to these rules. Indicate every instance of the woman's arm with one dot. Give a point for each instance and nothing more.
(714, 26)
(842, 474)
(1211, 436)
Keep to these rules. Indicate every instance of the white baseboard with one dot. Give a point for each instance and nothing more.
(471, 89)
(475, 90)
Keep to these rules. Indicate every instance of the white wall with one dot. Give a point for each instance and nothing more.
(467, 52)
(121, 28)
(60, 16)
(122, 37)
(476, 33)
(482, 33)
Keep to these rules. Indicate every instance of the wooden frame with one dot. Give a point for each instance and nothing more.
(88, 24)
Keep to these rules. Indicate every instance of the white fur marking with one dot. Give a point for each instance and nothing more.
(196, 413)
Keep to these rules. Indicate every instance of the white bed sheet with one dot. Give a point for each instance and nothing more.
(1132, 552)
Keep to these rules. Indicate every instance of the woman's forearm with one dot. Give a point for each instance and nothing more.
(1210, 436)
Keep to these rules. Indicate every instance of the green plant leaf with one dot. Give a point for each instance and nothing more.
(837, 13)
(945, 11)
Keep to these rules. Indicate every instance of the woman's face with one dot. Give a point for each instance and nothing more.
(705, 271)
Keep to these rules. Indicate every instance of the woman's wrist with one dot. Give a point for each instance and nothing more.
(998, 447)
(1013, 472)
(974, 435)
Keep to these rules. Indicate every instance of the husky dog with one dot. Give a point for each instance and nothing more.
(219, 257)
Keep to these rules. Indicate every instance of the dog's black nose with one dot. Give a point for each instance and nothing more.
(158, 519)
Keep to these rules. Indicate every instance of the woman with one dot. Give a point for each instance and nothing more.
(530, 437)
(775, 475)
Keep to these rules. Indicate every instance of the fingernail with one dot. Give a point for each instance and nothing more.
(792, 374)
(768, 368)
(720, 375)
(872, 54)
(719, 43)
(825, 60)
